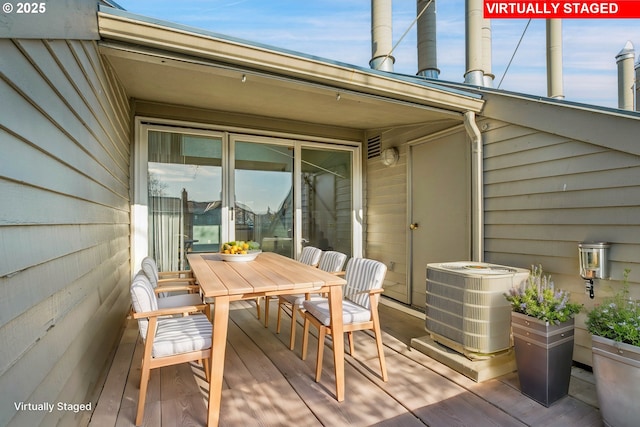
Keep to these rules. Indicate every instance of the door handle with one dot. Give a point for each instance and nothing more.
(413, 226)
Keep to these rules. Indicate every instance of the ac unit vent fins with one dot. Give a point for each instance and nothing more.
(373, 147)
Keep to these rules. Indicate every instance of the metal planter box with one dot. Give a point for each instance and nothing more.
(616, 369)
(544, 355)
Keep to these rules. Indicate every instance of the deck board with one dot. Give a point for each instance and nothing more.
(267, 384)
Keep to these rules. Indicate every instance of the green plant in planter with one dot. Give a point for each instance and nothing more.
(537, 297)
(617, 318)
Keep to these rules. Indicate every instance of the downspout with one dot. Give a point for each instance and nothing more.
(477, 195)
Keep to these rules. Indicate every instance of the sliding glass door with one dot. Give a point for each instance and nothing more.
(203, 188)
(184, 195)
(263, 194)
(326, 199)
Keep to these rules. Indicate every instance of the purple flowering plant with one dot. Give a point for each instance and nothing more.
(537, 297)
(617, 318)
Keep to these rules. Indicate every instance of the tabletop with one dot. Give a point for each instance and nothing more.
(268, 274)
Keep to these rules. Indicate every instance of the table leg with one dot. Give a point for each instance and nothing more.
(337, 330)
(218, 347)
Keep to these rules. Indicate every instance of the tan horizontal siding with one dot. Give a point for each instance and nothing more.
(545, 193)
(64, 256)
(386, 235)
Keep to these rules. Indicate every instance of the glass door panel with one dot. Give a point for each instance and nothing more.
(326, 199)
(263, 188)
(185, 196)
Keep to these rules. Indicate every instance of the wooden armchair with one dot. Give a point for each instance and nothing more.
(310, 255)
(171, 335)
(332, 262)
(360, 309)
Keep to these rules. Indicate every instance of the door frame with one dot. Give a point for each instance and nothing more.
(139, 165)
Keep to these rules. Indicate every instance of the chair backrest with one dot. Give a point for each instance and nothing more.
(150, 269)
(362, 275)
(143, 299)
(310, 255)
(332, 261)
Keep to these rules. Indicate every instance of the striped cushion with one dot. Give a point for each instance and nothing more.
(143, 299)
(179, 300)
(332, 261)
(310, 255)
(363, 275)
(352, 313)
(296, 299)
(176, 335)
(150, 268)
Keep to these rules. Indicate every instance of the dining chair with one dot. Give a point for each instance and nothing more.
(171, 335)
(162, 287)
(310, 255)
(359, 306)
(331, 262)
(161, 278)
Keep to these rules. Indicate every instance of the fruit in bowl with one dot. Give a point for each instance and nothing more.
(239, 247)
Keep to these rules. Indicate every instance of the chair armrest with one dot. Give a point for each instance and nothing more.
(179, 273)
(339, 273)
(170, 311)
(168, 288)
(185, 280)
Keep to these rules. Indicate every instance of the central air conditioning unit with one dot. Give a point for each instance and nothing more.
(466, 308)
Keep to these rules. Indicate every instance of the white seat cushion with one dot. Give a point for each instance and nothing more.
(176, 335)
(352, 313)
(296, 300)
(179, 300)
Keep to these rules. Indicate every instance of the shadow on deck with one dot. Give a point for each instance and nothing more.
(267, 384)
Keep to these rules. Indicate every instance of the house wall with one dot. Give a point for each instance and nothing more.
(545, 193)
(64, 224)
(387, 204)
(386, 235)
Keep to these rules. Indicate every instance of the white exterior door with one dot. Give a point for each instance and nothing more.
(440, 207)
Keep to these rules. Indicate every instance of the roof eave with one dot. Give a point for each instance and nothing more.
(123, 26)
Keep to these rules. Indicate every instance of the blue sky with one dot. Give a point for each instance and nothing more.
(340, 30)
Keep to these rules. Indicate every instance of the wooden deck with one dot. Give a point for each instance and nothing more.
(266, 384)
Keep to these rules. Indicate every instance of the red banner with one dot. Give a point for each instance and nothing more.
(543, 9)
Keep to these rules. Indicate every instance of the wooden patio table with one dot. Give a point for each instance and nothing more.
(269, 274)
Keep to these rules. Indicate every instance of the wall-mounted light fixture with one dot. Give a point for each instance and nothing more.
(389, 156)
(594, 263)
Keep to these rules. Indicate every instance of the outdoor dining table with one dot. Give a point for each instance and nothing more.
(270, 274)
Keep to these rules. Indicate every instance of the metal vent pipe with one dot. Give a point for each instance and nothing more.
(554, 59)
(488, 75)
(473, 43)
(624, 60)
(427, 48)
(637, 84)
(381, 36)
